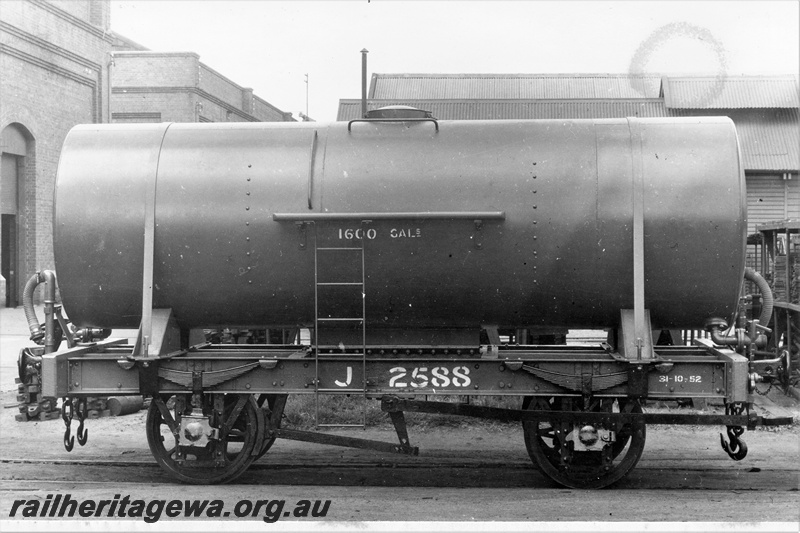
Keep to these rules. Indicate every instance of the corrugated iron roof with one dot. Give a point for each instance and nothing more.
(770, 142)
(731, 92)
(769, 138)
(522, 86)
(453, 109)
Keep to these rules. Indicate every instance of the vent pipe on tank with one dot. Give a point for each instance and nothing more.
(364, 53)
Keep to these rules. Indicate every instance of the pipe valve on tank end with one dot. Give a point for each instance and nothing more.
(39, 332)
(740, 338)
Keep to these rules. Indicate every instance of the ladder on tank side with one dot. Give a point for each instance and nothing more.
(350, 279)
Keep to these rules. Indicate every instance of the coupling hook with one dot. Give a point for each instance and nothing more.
(83, 434)
(66, 416)
(737, 450)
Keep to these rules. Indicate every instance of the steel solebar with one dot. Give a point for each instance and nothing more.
(291, 371)
(392, 404)
(349, 442)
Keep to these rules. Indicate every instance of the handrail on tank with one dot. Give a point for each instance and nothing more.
(427, 119)
(422, 215)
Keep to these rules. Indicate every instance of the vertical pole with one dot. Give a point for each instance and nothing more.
(364, 226)
(316, 329)
(786, 177)
(364, 53)
(145, 329)
(147, 270)
(787, 248)
(311, 169)
(639, 323)
(49, 309)
(109, 65)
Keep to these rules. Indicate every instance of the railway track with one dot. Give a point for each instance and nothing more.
(460, 475)
(475, 473)
(658, 473)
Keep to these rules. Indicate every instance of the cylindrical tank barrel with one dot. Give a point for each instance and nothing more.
(463, 223)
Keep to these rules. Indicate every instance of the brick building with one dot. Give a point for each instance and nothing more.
(61, 65)
(176, 87)
(54, 58)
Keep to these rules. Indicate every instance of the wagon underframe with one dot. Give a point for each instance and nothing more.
(106, 368)
(595, 438)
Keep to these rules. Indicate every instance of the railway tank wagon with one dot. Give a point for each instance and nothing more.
(405, 244)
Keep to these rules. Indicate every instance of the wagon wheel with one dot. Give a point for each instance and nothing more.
(218, 460)
(551, 447)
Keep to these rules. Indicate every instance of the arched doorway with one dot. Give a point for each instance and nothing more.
(14, 147)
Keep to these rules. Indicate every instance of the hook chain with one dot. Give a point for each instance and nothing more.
(66, 416)
(68, 411)
(737, 449)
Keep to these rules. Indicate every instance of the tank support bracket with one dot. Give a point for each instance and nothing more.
(148, 257)
(164, 336)
(636, 344)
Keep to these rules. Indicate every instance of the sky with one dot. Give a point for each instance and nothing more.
(270, 45)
